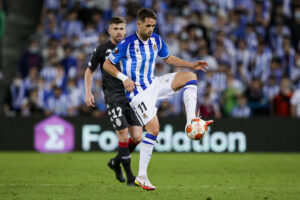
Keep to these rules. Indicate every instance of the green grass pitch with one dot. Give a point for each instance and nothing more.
(265, 176)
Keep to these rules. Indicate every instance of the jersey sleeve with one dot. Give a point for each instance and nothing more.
(95, 59)
(164, 50)
(118, 53)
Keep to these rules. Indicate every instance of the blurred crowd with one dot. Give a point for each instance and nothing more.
(252, 47)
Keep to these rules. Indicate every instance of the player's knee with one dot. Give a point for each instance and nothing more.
(123, 135)
(137, 139)
(153, 130)
(191, 76)
(191, 79)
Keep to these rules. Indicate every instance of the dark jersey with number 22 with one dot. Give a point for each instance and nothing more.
(113, 88)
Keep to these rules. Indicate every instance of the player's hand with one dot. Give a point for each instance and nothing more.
(90, 100)
(200, 65)
(129, 85)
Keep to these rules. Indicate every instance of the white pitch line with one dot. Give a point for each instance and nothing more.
(163, 186)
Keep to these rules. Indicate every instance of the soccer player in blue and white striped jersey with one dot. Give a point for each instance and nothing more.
(136, 55)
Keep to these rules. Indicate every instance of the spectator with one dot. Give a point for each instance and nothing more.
(172, 43)
(72, 26)
(219, 78)
(89, 38)
(242, 74)
(54, 48)
(60, 78)
(97, 19)
(256, 41)
(241, 110)
(31, 81)
(57, 103)
(256, 99)
(261, 60)
(31, 106)
(31, 58)
(165, 109)
(69, 62)
(288, 58)
(53, 31)
(281, 102)
(295, 104)
(242, 54)
(209, 109)
(277, 33)
(97, 90)
(295, 71)
(203, 54)
(15, 97)
(251, 38)
(275, 70)
(229, 96)
(271, 89)
(295, 27)
(74, 97)
(49, 71)
(171, 25)
(40, 36)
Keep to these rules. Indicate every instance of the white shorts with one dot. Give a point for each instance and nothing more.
(144, 103)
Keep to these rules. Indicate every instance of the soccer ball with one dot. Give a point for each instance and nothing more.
(196, 129)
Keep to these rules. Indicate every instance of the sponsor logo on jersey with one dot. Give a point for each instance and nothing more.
(154, 47)
(116, 50)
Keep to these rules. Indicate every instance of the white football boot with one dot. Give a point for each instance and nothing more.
(144, 182)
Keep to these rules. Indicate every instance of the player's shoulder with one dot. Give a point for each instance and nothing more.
(128, 40)
(156, 36)
(103, 46)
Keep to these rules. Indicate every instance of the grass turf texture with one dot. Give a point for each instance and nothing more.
(31, 176)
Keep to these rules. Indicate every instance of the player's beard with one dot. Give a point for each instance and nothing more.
(146, 36)
(117, 39)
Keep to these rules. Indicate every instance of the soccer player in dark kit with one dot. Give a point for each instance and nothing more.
(122, 116)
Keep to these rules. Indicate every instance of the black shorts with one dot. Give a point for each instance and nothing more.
(121, 115)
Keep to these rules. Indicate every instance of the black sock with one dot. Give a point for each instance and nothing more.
(131, 145)
(117, 159)
(126, 160)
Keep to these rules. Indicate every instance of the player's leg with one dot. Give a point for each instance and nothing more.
(135, 129)
(124, 155)
(144, 107)
(115, 162)
(116, 113)
(132, 142)
(152, 128)
(188, 81)
(135, 137)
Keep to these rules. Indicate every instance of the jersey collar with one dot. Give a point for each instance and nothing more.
(145, 42)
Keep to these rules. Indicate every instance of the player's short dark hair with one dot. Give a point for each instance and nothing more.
(143, 13)
(117, 20)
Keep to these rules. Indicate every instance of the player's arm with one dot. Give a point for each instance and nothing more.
(114, 58)
(178, 62)
(112, 70)
(88, 75)
(89, 97)
(164, 53)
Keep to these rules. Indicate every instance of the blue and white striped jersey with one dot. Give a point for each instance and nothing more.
(137, 59)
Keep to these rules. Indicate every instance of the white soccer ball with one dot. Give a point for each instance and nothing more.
(196, 129)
